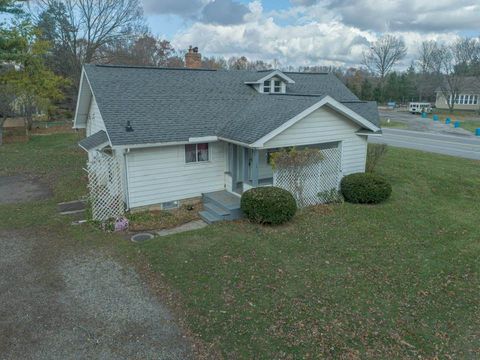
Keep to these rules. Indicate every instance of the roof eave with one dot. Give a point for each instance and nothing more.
(325, 101)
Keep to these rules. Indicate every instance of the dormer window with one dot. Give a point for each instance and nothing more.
(274, 82)
(266, 86)
(274, 86)
(277, 86)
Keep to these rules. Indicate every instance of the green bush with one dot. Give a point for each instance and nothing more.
(365, 188)
(268, 205)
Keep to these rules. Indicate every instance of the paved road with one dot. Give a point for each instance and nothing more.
(460, 146)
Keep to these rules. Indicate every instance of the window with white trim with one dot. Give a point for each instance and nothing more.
(274, 85)
(196, 153)
(266, 86)
(277, 86)
(463, 99)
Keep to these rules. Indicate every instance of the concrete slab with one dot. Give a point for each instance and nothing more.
(192, 225)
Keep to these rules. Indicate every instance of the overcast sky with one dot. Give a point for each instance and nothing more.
(306, 32)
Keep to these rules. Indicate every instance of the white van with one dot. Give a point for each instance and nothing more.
(419, 107)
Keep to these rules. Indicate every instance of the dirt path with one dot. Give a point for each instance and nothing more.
(60, 301)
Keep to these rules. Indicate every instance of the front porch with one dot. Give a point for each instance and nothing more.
(247, 168)
(310, 184)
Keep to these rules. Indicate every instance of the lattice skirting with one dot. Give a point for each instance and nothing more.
(315, 183)
(105, 185)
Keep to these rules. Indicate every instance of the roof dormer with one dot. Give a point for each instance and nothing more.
(274, 82)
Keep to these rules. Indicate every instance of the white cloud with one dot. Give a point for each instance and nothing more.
(406, 15)
(323, 33)
(224, 12)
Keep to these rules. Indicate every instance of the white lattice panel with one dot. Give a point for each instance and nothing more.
(315, 183)
(105, 184)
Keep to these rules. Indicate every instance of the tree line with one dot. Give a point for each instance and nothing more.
(45, 44)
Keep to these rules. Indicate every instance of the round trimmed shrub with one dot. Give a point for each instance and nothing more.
(268, 205)
(365, 188)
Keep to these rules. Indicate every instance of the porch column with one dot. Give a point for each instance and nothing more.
(246, 160)
(255, 158)
(234, 166)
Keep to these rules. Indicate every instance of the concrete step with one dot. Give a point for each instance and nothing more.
(224, 204)
(223, 199)
(209, 217)
(217, 210)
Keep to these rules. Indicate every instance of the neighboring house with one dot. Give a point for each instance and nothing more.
(181, 133)
(466, 97)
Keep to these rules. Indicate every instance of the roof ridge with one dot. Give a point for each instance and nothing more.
(308, 72)
(148, 67)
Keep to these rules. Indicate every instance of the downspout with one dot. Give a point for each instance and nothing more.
(125, 165)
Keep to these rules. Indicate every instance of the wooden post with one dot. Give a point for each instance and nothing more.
(246, 160)
(255, 156)
(234, 166)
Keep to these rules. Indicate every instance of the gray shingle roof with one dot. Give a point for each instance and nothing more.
(94, 140)
(167, 105)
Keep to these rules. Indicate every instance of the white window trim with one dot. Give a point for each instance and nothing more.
(464, 99)
(196, 152)
(271, 81)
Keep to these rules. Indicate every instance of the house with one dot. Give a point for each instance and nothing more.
(466, 97)
(174, 135)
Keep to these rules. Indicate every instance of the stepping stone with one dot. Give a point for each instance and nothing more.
(71, 207)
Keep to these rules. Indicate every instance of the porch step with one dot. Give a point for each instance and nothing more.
(223, 199)
(216, 210)
(222, 205)
(209, 217)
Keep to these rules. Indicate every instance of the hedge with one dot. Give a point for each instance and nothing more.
(365, 188)
(268, 205)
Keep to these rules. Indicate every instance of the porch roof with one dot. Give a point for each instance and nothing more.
(94, 141)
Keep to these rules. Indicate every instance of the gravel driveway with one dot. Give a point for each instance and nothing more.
(59, 302)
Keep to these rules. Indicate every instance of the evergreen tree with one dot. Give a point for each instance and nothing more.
(366, 92)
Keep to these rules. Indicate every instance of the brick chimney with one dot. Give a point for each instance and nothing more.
(193, 59)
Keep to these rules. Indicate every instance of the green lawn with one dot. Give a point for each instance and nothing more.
(395, 280)
(393, 124)
(389, 281)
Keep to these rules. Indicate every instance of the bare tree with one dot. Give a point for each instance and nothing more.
(85, 26)
(214, 63)
(427, 61)
(240, 63)
(384, 54)
(428, 66)
(145, 50)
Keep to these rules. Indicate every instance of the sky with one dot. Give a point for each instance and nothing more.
(308, 32)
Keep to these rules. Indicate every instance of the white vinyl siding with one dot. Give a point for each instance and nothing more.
(158, 175)
(265, 170)
(324, 126)
(94, 121)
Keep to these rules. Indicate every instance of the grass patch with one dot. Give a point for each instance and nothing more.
(58, 162)
(393, 124)
(395, 280)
